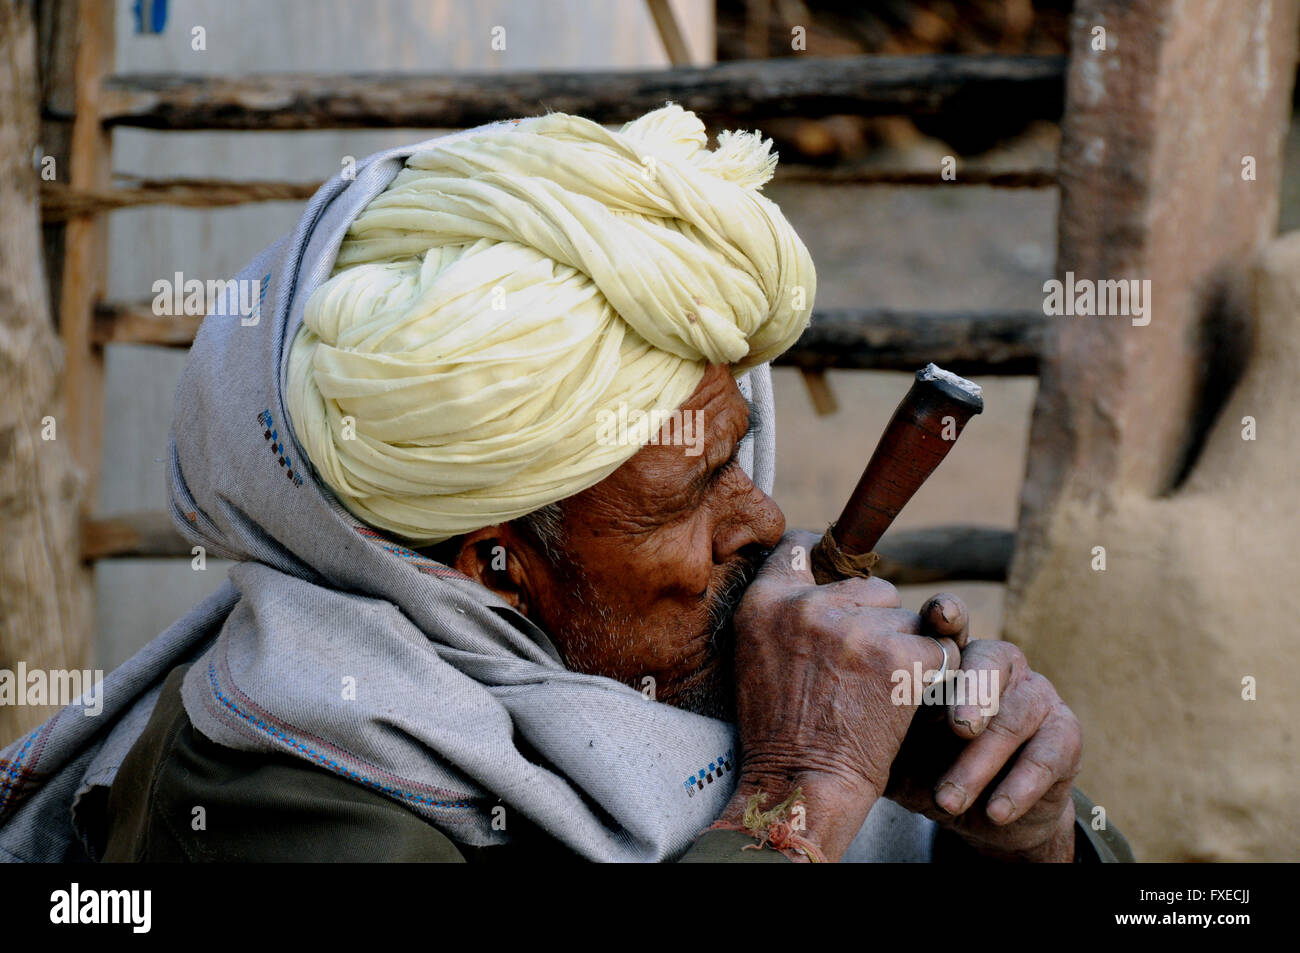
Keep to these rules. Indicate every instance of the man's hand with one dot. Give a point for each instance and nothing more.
(999, 780)
(813, 691)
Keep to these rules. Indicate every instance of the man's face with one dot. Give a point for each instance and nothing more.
(660, 552)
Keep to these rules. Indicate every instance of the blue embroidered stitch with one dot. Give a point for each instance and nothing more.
(272, 434)
(14, 770)
(422, 563)
(715, 770)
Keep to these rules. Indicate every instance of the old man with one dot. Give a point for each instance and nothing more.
(470, 620)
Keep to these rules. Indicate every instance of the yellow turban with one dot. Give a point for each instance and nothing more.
(507, 287)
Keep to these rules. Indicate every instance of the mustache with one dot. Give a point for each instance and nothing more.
(736, 579)
(715, 696)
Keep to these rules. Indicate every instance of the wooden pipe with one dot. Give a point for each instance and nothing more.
(923, 429)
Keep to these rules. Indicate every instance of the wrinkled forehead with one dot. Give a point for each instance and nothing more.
(670, 477)
(703, 433)
(720, 407)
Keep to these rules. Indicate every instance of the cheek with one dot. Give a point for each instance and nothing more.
(666, 574)
(686, 558)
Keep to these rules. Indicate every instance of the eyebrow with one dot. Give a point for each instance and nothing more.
(704, 472)
(755, 422)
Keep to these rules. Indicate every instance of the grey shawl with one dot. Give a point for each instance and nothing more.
(336, 645)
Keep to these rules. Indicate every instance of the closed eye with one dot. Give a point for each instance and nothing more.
(719, 472)
(706, 479)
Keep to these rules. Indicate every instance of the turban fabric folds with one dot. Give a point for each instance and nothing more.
(507, 287)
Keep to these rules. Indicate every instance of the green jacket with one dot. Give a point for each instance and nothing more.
(259, 807)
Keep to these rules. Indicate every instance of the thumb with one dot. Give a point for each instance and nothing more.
(791, 560)
(946, 615)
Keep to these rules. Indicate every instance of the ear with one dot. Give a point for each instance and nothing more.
(500, 559)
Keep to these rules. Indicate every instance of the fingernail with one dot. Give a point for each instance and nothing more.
(947, 610)
(950, 798)
(1000, 808)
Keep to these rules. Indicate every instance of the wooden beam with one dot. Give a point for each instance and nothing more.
(850, 174)
(56, 36)
(964, 342)
(940, 553)
(132, 536)
(85, 268)
(670, 32)
(740, 92)
(44, 590)
(977, 342)
(60, 202)
(819, 391)
(757, 14)
(137, 324)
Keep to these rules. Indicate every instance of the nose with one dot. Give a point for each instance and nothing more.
(753, 519)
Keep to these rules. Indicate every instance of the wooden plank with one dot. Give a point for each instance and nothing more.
(132, 536)
(669, 32)
(994, 342)
(740, 92)
(60, 202)
(969, 343)
(56, 35)
(942, 553)
(44, 590)
(819, 391)
(851, 174)
(137, 324)
(757, 14)
(86, 242)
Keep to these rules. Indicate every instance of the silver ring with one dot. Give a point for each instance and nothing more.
(943, 672)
